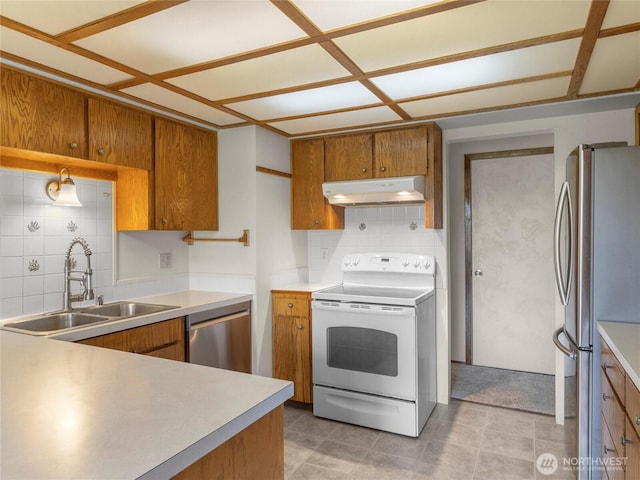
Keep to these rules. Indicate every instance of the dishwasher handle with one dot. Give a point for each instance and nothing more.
(197, 326)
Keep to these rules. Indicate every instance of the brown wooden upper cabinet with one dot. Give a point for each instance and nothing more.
(400, 153)
(119, 135)
(309, 209)
(41, 116)
(186, 177)
(393, 153)
(348, 157)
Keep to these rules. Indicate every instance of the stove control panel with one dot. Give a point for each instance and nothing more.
(392, 262)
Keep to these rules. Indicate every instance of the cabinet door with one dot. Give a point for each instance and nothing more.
(400, 153)
(41, 116)
(186, 177)
(162, 339)
(309, 208)
(348, 157)
(632, 453)
(292, 354)
(119, 135)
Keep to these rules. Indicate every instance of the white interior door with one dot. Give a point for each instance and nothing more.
(512, 202)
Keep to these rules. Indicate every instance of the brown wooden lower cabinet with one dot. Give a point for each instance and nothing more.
(257, 452)
(291, 341)
(620, 407)
(162, 339)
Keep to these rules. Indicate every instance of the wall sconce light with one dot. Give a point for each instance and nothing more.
(63, 192)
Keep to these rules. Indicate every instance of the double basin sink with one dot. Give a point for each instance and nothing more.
(50, 323)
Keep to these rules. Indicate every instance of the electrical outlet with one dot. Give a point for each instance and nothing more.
(165, 260)
(324, 255)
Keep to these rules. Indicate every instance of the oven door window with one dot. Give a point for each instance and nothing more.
(363, 350)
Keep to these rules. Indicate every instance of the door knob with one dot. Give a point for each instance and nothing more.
(477, 273)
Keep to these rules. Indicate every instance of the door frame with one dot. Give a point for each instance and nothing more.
(468, 252)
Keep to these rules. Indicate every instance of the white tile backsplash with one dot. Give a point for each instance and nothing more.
(35, 235)
(371, 229)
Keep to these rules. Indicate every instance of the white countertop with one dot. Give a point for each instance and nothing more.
(72, 411)
(304, 287)
(624, 341)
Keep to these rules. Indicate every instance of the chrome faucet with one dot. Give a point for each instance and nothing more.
(67, 297)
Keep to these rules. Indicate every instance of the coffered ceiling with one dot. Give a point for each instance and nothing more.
(301, 67)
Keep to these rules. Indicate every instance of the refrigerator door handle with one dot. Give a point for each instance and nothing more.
(563, 348)
(563, 199)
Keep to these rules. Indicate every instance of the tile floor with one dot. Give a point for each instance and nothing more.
(461, 441)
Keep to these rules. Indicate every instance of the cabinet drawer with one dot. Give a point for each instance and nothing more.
(612, 411)
(291, 304)
(613, 370)
(632, 404)
(610, 456)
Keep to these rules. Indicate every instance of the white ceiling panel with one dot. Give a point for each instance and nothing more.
(619, 54)
(45, 54)
(511, 65)
(467, 28)
(489, 98)
(57, 16)
(194, 32)
(364, 117)
(324, 14)
(621, 12)
(314, 100)
(161, 96)
(299, 66)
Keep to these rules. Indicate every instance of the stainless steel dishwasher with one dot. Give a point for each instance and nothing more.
(221, 337)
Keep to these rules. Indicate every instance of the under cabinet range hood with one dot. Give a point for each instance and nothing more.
(375, 191)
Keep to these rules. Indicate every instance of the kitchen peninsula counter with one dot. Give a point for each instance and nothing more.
(624, 341)
(77, 412)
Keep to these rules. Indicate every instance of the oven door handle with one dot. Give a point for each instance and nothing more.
(363, 308)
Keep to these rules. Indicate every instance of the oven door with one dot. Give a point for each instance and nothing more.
(365, 348)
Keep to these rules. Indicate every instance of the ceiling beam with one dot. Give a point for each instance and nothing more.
(296, 16)
(591, 32)
(120, 18)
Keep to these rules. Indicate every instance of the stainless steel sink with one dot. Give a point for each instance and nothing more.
(126, 309)
(55, 322)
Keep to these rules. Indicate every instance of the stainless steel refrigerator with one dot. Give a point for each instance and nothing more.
(597, 264)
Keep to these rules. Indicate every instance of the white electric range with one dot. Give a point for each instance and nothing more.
(374, 350)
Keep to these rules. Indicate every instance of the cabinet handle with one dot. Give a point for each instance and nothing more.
(624, 441)
(316, 221)
(607, 450)
(164, 220)
(605, 397)
(101, 151)
(364, 170)
(73, 145)
(299, 327)
(290, 305)
(637, 419)
(382, 169)
(605, 366)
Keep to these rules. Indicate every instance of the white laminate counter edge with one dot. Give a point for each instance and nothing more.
(624, 341)
(195, 452)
